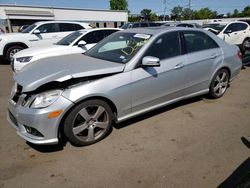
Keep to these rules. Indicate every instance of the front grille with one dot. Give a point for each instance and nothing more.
(12, 64)
(18, 93)
(12, 118)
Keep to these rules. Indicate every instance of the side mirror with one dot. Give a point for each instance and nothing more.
(228, 31)
(81, 43)
(36, 32)
(150, 61)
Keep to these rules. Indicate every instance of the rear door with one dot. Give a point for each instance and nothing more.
(203, 56)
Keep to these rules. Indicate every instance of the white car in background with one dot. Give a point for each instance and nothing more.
(236, 32)
(76, 42)
(38, 34)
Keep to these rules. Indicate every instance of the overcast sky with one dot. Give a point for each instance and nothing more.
(135, 6)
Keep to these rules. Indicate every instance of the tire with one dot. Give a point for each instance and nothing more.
(219, 84)
(11, 51)
(243, 50)
(88, 123)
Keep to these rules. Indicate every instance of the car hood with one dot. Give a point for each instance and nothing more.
(33, 51)
(11, 36)
(62, 68)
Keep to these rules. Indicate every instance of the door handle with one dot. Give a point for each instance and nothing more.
(213, 56)
(54, 36)
(179, 66)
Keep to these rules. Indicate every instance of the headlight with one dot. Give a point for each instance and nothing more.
(13, 90)
(24, 59)
(45, 99)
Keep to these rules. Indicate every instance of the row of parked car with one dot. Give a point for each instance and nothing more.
(79, 86)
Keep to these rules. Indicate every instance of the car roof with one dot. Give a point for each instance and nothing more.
(82, 23)
(158, 30)
(96, 29)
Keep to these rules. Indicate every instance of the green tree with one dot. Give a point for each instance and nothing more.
(146, 14)
(118, 4)
(187, 14)
(153, 17)
(177, 12)
(205, 13)
(134, 19)
(246, 11)
(229, 15)
(235, 13)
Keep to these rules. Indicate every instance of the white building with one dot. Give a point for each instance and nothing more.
(13, 16)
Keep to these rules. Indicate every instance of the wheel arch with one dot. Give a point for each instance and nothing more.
(108, 101)
(223, 67)
(7, 46)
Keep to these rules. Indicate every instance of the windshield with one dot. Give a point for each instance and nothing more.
(69, 38)
(29, 29)
(119, 47)
(126, 26)
(218, 27)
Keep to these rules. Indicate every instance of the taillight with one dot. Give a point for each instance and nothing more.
(239, 54)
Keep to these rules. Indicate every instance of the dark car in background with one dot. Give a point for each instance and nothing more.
(141, 24)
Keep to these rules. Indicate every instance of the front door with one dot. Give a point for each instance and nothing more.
(48, 35)
(152, 86)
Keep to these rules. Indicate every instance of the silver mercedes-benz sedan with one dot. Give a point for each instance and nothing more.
(131, 72)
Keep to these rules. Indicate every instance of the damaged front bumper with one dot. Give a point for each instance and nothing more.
(34, 125)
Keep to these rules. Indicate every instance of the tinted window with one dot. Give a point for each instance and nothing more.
(66, 27)
(105, 24)
(108, 32)
(197, 41)
(166, 46)
(185, 25)
(236, 27)
(136, 25)
(78, 27)
(144, 25)
(69, 38)
(48, 28)
(242, 26)
(93, 37)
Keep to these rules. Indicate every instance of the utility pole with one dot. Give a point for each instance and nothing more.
(189, 6)
(165, 8)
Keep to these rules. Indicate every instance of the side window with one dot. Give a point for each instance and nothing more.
(108, 32)
(66, 27)
(232, 27)
(197, 41)
(93, 37)
(242, 26)
(152, 24)
(144, 25)
(136, 25)
(48, 28)
(78, 27)
(165, 46)
(185, 25)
